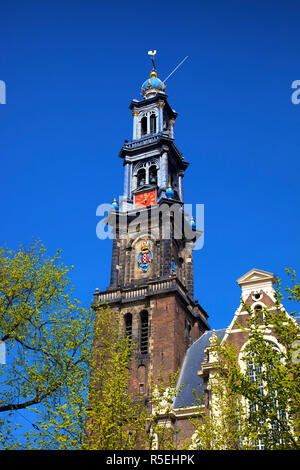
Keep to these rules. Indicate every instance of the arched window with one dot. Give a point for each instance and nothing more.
(261, 376)
(144, 126)
(144, 333)
(152, 123)
(153, 174)
(259, 312)
(128, 325)
(141, 177)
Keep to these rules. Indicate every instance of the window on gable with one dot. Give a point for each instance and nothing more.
(259, 311)
(257, 373)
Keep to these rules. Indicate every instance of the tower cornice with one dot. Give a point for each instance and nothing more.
(151, 289)
(160, 141)
(159, 97)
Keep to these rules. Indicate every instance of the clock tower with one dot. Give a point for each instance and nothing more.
(151, 282)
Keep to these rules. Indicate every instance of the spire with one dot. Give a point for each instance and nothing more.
(153, 84)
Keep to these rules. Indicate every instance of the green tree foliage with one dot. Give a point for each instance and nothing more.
(223, 424)
(114, 419)
(271, 380)
(47, 337)
(68, 366)
(117, 419)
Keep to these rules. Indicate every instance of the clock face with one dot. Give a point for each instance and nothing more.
(145, 199)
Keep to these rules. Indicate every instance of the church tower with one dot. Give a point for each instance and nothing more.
(151, 283)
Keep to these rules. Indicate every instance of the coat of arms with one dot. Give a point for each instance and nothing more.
(145, 256)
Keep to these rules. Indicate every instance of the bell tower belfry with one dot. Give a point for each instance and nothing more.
(151, 282)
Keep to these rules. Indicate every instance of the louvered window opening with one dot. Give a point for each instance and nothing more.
(128, 325)
(144, 333)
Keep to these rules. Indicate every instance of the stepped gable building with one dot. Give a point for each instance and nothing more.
(151, 282)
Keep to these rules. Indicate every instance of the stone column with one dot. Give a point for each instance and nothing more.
(114, 264)
(180, 185)
(127, 181)
(172, 122)
(133, 182)
(164, 172)
(135, 113)
(148, 123)
(189, 271)
(160, 123)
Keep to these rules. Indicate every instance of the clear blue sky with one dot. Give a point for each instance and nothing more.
(71, 69)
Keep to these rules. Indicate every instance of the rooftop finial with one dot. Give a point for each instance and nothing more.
(153, 85)
(153, 72)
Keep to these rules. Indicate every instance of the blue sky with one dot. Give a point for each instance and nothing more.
(71, 69)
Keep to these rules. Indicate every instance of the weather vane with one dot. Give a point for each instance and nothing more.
(152, 54)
